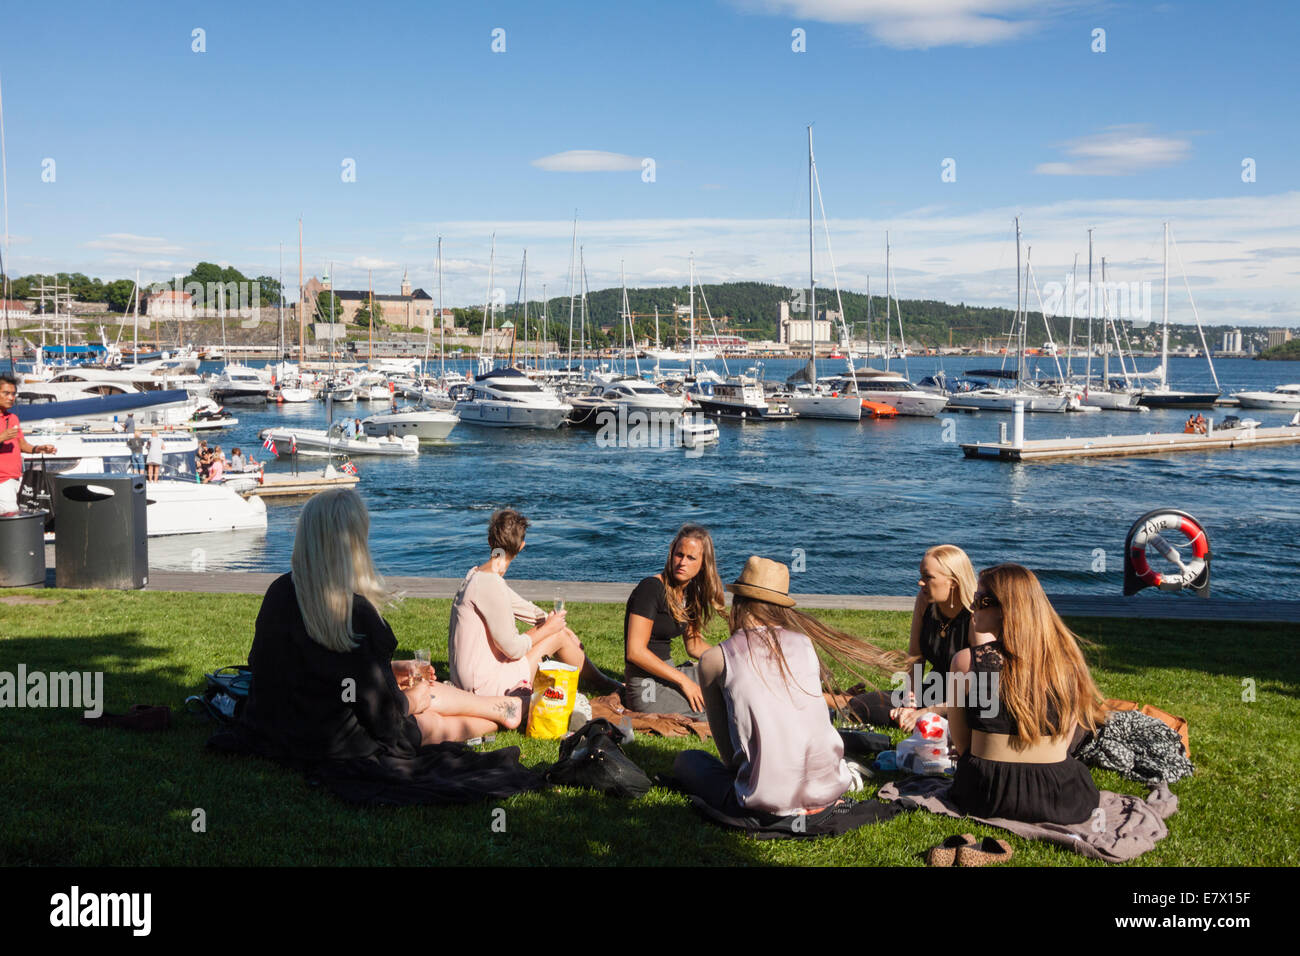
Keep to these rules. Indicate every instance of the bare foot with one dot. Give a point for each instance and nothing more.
(508, 712)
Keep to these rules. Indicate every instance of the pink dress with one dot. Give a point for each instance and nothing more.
(792, 759)
(487, 653)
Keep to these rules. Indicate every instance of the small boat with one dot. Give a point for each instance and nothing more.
(240, 385)
(294, 394)
(506, 398)
(332, 442)
(872, 409)
(740, 397)
(695, 429)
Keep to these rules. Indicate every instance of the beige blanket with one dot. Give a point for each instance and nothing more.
(1125, 828)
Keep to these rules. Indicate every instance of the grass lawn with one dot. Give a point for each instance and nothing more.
(74, 795)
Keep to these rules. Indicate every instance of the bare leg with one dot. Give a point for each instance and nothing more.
(448, 701)
(437, 728)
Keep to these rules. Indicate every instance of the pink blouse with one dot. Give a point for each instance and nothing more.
(487, 652)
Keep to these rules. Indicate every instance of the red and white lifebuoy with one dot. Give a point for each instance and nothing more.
(1149, 533)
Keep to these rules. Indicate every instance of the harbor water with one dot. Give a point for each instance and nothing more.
(853, 505)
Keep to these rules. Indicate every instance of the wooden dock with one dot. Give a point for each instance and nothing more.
(1152, 443)
(299, 486)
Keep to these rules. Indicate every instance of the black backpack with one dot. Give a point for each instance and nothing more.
(225, 695)
(591, 757)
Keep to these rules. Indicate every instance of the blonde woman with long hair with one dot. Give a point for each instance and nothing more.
(941, 619)
(677, 602)
(780, 755)
(1026, 689)
(325, 686)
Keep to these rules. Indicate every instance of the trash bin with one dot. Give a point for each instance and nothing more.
(22, 550)
(100, 537)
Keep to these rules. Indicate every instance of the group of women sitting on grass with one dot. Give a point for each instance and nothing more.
(761, 689)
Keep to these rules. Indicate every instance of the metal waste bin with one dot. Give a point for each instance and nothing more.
(22, 550)
(100, 532)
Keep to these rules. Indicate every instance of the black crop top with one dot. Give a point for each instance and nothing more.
(984, 695)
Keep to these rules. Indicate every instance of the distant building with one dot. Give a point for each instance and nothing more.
(12, 310)
(800, 331)
(169, 304)
(410, 309)
(1278, 337)
(1232, 341)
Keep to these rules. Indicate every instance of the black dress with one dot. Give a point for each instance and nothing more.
(940, 640)
(341, 717)
(1061, 792)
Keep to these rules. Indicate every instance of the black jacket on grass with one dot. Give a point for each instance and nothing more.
(341, 718)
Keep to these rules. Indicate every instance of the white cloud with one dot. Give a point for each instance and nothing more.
(369, 262)
(128, 242)
(1117, 151)
(907, 24)
(588, 161)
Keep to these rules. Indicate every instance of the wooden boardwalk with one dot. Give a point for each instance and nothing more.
(302, 485)
(1140, 607)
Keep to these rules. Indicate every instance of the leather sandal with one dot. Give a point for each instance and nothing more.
(945, 854)
(988, 851)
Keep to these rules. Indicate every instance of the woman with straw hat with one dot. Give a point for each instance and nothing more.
(762, 688)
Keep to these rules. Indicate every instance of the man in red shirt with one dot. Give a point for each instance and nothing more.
(12, 446)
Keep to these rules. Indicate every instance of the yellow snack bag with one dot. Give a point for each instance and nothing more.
(554, 689)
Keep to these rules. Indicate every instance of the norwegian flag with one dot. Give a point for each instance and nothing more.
(269, 445)
(349, 468)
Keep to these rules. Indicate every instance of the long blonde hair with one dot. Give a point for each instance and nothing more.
(1043, 667)
(331, 562)
(701, 597)
(763, 620)
(957, 566)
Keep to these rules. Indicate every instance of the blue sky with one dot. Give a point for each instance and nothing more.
(164, 156)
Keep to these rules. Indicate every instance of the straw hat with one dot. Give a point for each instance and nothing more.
(764, 580)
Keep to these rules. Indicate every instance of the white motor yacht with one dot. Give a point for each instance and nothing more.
(740, 397)
(177, 504)
(240, 385)
(890, 388)
(426, 424)
(637, 394)
(507, 398)
(808, 401)
(1283, 398)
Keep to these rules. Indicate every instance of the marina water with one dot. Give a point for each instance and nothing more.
(854, 504)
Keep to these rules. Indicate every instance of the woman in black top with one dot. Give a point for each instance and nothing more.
(678, 602)
(941, 619)
(1026, 691)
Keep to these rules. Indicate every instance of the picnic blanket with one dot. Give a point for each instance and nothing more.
(1126, 827)
(665, 725)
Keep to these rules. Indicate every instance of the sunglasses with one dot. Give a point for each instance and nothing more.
(983, 600)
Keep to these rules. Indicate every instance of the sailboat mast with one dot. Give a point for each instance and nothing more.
(1105, 349)
(1164, 308)
(302, 315)
(370, 283)
(692, 315)
(525, 284)
(1020, 328)
(135, 335)
(281, 310)
(442, 326)
(812, 282)
(1087, 377)
(1069, 347)
(888, 306)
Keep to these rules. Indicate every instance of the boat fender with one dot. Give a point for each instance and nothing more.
(1147, 531)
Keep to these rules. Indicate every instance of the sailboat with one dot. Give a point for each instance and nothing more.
(1004, 399)
(815, 400)
(1162, 396)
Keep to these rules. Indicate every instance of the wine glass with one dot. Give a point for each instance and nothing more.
(423, 668)
(559, 602)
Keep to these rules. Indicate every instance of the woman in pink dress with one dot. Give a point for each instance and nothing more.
(488, 654)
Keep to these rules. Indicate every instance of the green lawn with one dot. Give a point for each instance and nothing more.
(73, 795)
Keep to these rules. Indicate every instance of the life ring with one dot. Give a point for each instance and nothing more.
(1147, 531)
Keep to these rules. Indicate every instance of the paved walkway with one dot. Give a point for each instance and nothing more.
(1145, 606)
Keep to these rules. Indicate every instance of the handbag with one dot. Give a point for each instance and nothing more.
(591, 757)
(224, 695)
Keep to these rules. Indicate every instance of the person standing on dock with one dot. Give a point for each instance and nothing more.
(154, 460)
(12, 446)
